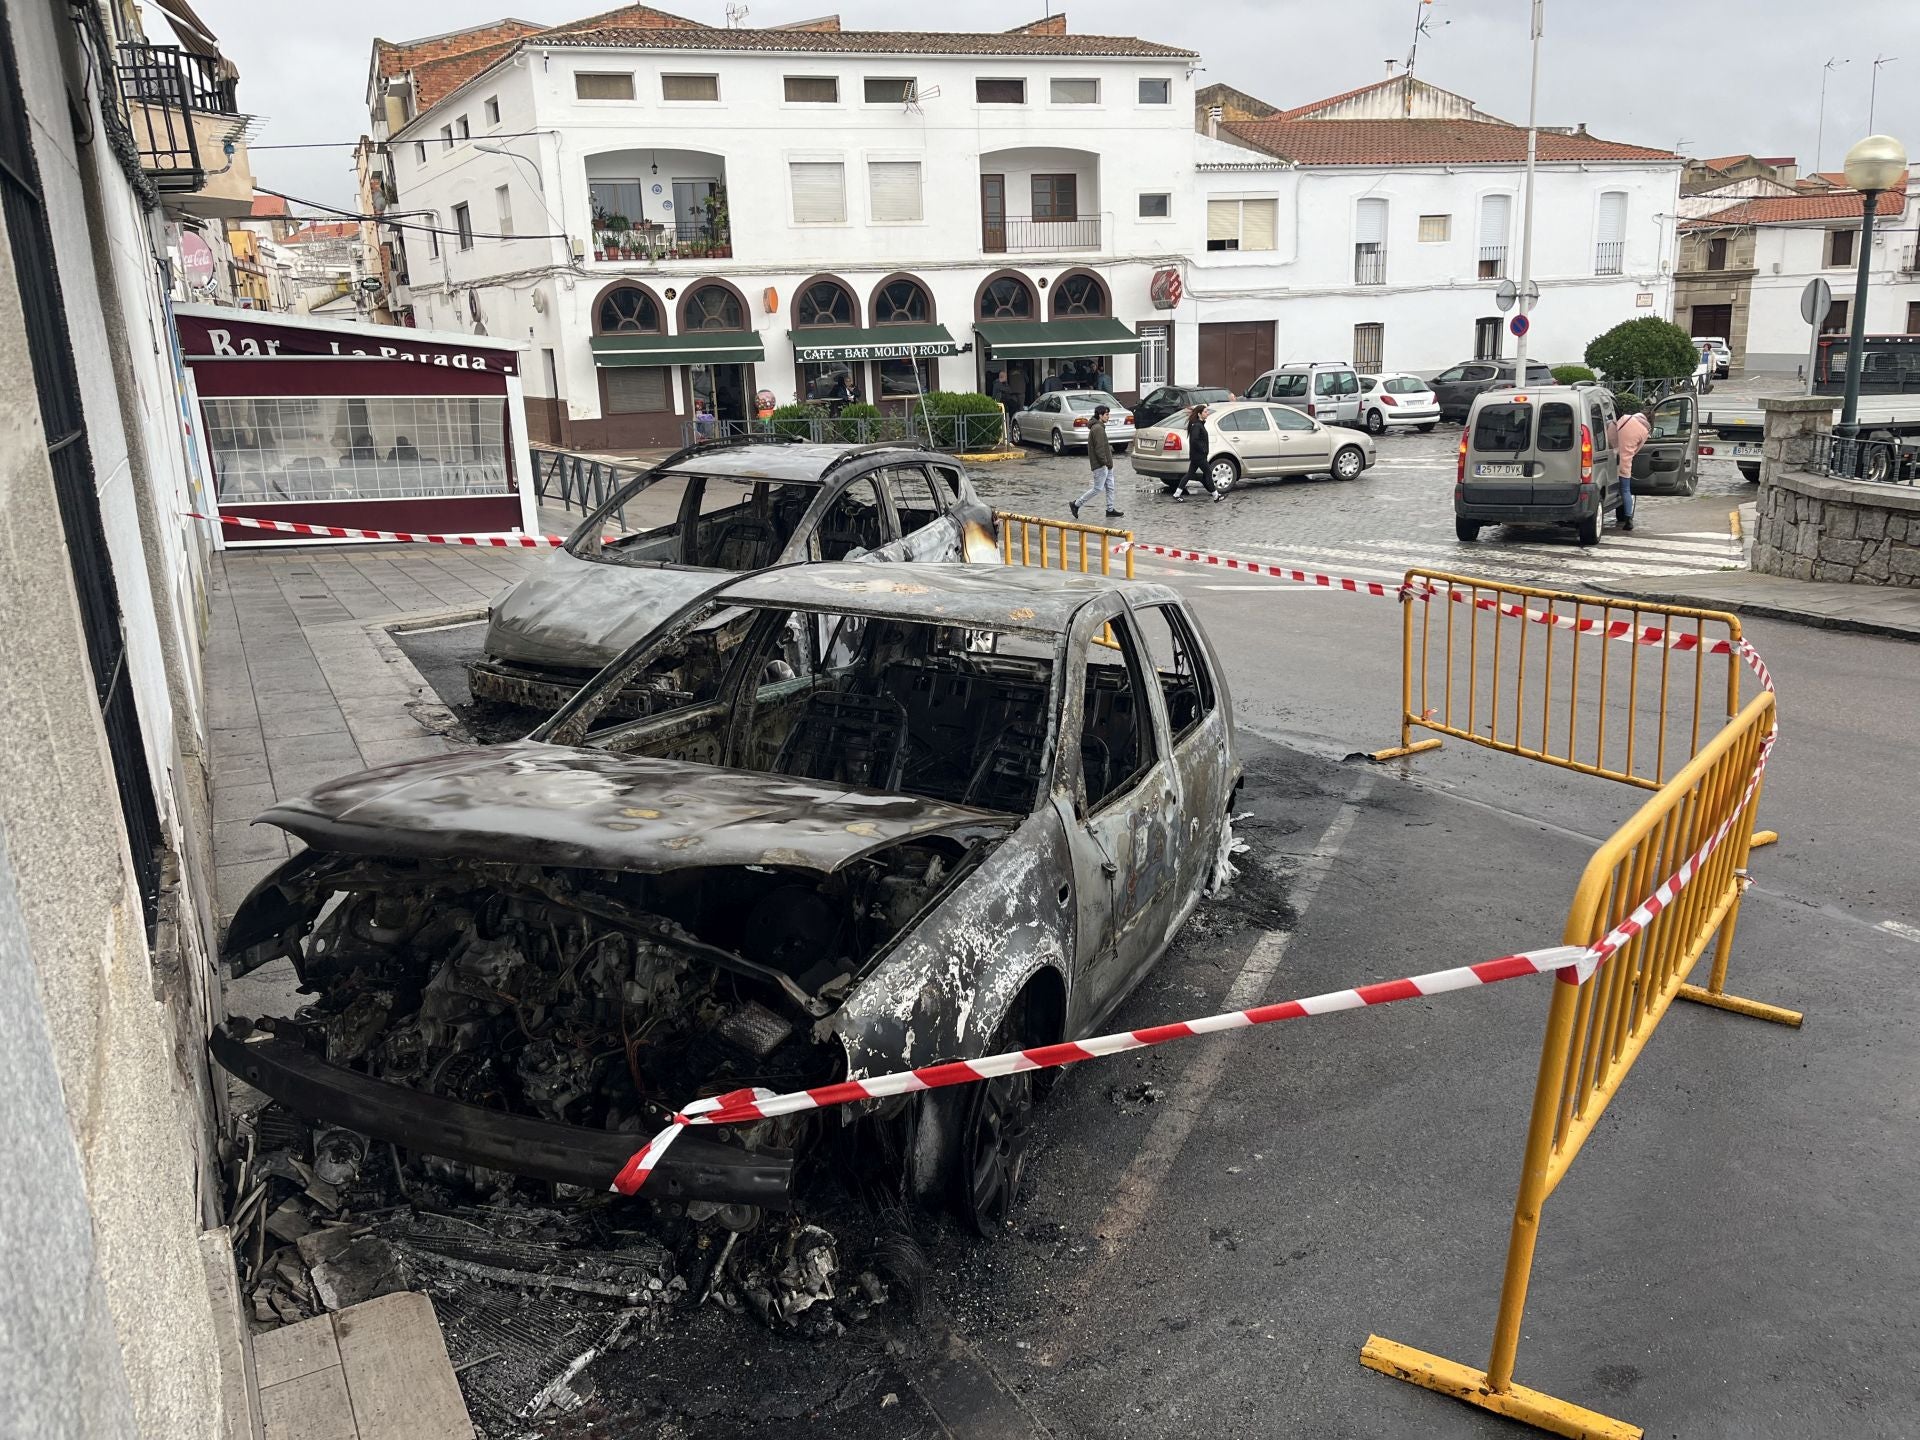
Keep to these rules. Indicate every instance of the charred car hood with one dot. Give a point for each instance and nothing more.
(582, 613)
(529, 803)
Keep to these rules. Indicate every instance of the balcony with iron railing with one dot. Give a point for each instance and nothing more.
(652, 241)
(1910, 260)
(1369, 264)
(1609, 257)
(1493, 262)
(184, 114)
(1023, 234)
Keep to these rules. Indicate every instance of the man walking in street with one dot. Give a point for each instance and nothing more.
(1630, 433)
(1100, 457)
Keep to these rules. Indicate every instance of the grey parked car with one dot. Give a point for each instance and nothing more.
(1061, 420)
(722, 507)
(1541, 456)
(1456, 388)
(921, 814)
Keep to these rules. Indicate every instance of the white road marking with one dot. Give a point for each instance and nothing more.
(453, 625)
(1904, 931)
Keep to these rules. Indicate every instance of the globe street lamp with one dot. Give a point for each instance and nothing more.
(1877, 163)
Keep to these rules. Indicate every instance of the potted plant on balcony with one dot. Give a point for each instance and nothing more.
(612, 235)
(720, 244)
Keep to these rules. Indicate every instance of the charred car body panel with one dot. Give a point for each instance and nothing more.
(740, 507)
(924, 802)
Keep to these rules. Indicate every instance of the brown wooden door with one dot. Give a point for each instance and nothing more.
(993, 214)
(1714, 320)
(1234, 353)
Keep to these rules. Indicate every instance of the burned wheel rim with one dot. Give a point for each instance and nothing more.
(994, 1147)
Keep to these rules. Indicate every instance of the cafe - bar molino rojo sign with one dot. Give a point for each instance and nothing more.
(908, 350)
(231, 337)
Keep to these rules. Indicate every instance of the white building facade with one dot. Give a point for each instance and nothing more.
(678, 220)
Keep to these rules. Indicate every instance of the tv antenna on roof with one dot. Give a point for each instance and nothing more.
(735, 14)
(916, 93)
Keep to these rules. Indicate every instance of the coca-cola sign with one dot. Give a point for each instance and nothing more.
(1165, 288)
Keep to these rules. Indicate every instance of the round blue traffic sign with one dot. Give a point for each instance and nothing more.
(1518, 324)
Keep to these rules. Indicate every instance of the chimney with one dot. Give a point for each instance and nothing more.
(1214, 112)
(1581, 128)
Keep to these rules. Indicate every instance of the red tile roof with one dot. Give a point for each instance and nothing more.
(1422, 142)
(324, 230)
(1787, 209)
(1300, 110)
(877, 42)
(268, 206)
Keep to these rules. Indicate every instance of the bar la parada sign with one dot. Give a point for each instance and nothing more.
(813, 354)
(223, 346)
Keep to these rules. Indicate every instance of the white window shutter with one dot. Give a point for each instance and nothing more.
(819, 193)
(1496, 220)
(1223, 220)
(1370, 223)
(1259, 224)
(1613, 217)
(895, 188)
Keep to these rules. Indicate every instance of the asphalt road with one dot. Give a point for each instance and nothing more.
(1731, 1255)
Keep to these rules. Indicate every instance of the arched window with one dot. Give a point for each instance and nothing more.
(825, 302)
(713, 307)
(628, 310)
(1008, 298)
(1078, 296)
(902, 302)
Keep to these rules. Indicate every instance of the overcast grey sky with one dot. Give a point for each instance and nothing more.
(1710, 77)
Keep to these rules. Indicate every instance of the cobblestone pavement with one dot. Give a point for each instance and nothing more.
(1397, 514)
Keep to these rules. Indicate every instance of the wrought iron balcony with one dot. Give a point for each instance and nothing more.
(1369, 264)
(1493, 262)
(1609, 256)
(165, 87)
(691, 238)
(1021, 234)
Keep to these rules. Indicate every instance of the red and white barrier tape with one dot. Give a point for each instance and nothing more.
(1375, 588)
(343, 532)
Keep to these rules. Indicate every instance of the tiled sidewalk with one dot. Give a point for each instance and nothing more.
(301, 690)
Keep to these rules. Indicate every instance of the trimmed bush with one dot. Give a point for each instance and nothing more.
(947, 412)
(1645, 349)
(859, 422)
(797, 422)
(1572, 375)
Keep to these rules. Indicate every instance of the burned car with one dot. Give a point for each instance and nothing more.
(731, 506)
(923, 813)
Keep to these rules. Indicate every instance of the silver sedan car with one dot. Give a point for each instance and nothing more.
(1061, 420)
(1250, 440)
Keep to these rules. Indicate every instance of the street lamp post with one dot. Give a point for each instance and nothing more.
(1877, 163)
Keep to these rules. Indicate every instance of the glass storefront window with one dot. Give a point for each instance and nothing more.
(343, 447)
(897, 378)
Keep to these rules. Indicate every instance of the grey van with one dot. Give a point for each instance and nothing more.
(1328, 390)
(1543, 455)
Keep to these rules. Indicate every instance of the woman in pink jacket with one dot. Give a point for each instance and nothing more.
(1630, 433)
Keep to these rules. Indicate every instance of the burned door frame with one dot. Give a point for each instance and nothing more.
(1123, 850)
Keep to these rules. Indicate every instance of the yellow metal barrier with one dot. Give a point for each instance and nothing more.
(1595, 1031)
(1039, 541)
(1472, 671)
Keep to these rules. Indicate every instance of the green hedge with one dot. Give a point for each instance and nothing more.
(1572, 375)
(948, 411)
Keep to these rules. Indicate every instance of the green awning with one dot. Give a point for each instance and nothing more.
(883, 342)
(702, 347)
(1049, 339)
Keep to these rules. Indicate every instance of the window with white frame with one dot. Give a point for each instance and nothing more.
(1155, 90)
(1369, 346)
(602, 85)
(690, 89)
(433, 244)
(1242, 224)
(446, 138)
(463, 225)
(894, 188)
(1610, 242)
(1496, 224)
(1074, 91)
(503, 203)
(819, 192)
(1370, 242)
(280, 447)
(1155, 205)
(812, 89)
(420, 152)
(888, 89)
(988, 90)
(1436, 229)
(461, 128)
(492, 109)
(1153, 356)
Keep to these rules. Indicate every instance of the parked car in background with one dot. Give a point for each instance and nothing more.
(1393, 400)
(717, 508)
(917, 816)
(1541, 456)
(1162, 402)
(1328, 390)
(1457, 388)
(1060, 421)
(1253, 440)
(1722, 354)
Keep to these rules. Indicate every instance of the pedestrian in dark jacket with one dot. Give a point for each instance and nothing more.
(1199, 452)
(1100, 457)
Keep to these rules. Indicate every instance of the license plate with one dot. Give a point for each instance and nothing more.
(1500, 472)
(1745, 452)
(1149, 443)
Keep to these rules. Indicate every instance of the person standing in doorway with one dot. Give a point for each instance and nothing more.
(1008, 394)
(1630, 433)
(1199, 453)
(1100, 457)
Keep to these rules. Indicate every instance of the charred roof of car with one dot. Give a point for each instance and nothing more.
(803, 463)
(980, 597)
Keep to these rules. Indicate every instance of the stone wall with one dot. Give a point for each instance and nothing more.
(1813, 527)
(1792, 423)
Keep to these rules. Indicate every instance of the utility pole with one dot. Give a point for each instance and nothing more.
(1526, 208)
